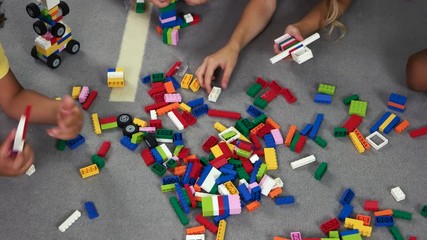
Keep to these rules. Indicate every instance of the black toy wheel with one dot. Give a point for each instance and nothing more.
(58, 30)
(150, 140)
(39, 27)
(53, 61)
(64, 8)
(33, 10)
(34, 53)
(130, 129)
(73, 47)
(124, 120)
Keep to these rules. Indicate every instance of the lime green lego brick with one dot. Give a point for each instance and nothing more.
(358, 108)
(396, 233)
(348, 100)
(229, 135)
(261, 172)
(295, 140)
(261, 119)
(99, 161)
(334, 234)
(60, 144)
(164, 133)
(171, 164)
(243, 153)
(169, 35)
(254, 89)
(109, 125)
(326, 89)
(168, 187)
(137, 138)
(320, 141)
(402, 214)
(181, 215)
(320, 171)
(352, 237)
(177, 150)
(235, 162)
(261, 103)
(207, 207)
(162, 153)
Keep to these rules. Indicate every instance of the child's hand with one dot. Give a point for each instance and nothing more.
(226, 59)
(294, 32)
(11, 164)
(69, 120)
(160, 3)
(196, 2)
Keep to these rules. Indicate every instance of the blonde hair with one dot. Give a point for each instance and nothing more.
(331, 23)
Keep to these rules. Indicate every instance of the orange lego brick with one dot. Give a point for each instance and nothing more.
(169, 87)
(402, 126)
(180, 170)
(196, 230)
(362, 139)
(275, 192)
(290, 135)
(387, 212)
(273, 123)
(280, 238)
(258, 127)
(197, 188)
(159, 30)
(252, 206)
(189, 157)
(366, 219)
(167, 108)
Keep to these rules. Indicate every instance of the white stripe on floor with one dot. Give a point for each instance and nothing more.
(131, 53)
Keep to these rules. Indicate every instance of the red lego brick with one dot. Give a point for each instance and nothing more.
(156, 90)
(300, 144)
(226, 152)
(196, 170)
(27, 114)
(247, 165)
(418, 132)
(189, 118)
(157, 85)
(259, 152)
(173, 69)
(157, 123)
(107, 120)
(205, 222)
(352, 123)
(288, 95)
(159, 97)
(275, 86)
(147, 157)
(196, 20)
(103, 150)
(209, 143)
(185, 152)
(92, 95)
(221, 205)
(262, 82)
(219, 161)
(412, 238)
(371, 205)
(224, 114)
(155, 106)
(255, 141)
(331, 225)
(190, 195)
(245, 146)
(269, 95)
(264, 130)
(180, 118)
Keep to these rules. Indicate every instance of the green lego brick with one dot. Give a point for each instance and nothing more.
(326, 89)
(99, 161)
(199, 204)
(295, 141)
(402, 214)
(168, 187)
(243, 174)
(164, 133)
(211, 157)
(396, 233)
(261, 119)
(358, 108)
(181, 215)
(243, 153)
(177, 150)
(204, 161)
(109, 125)
(158, 169)
(254, 89)
(261, 103)
(244, 126)
(157, 77)
(140, 8)
(320, 171)
(320, 141)
(235, 162)
(185, 194)
(214, 189)
(60, 144)
(207, 207)
(171, 164)
(229, 135)
(424, 211)
(137, 138)
(261, 171)
(165, 35)
(340, 132)
(348, 100)
(334, 234)
(184, 25)
(171, 6)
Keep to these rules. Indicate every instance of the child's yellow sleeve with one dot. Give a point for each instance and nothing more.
(4, 63)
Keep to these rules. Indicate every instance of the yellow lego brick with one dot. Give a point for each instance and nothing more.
(232, 147)
(387, 122)
(231, 188)
(219, 127)
(58, 99)
(120, 69)
(243, 138)
(140, 122)
(177, 27)
(184, 107)
(195, 86)
(76, 92)
(270, 158)
(186, 80)
(53, 10)
(96, 125)
(116, 82)
(365, 231)
(216, 151)
(356, 142)
(352, 223)
(220, 235)
(89, 171)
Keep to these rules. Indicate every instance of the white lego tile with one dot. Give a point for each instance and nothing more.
(373, 144)
(398, 194)
(303, 161)
(70, 220)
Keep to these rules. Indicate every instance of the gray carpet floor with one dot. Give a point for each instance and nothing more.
(369, 61)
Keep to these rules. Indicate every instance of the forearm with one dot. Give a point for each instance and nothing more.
(255, 17)
(315, 19)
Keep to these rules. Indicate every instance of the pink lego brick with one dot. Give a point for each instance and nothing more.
(166, 20)
(147, 129)
(234, 203)
(278, 139)
(175, 37)
(174, 97)
(83, 94)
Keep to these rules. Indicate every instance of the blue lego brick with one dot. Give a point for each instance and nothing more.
(156, 155)
(284, 200)
(322, 98)
(172, 24)
(269, 141)
(347, 196)
(221, 217)
(316, 126)
(349, 232)
(380, 121)
(257, 164)
(186, 177)
(225, 178)
(192, 181)
(170, 179)
(392, 124)
(199, 111)
(306, 129)
(226, 204)
(253, 111)
(396, 109)
(204, 174)
(126, 142)
(76, 142)
(64, 38)
(92, 213)
(175, 83)
(182, 199)
(244, 193)
(146, 79)
(345, 212)
(195, 102)
(111, 70)
(177, 139)
(396, 98)
(256, 193)
(384, 221)
(228, 166)
(228, 171)
(167, 14)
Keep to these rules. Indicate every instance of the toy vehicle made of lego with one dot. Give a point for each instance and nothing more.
(49, 19)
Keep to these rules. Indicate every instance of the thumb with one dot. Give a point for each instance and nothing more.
(67, 103)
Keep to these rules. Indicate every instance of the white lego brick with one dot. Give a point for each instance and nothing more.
(49, 3)
(166, 150)
(140, 1)
(215, 206)
(267, 183)
(31, 170)
(188, 18)
(182, 70)
(42, 43)
(230, 129)
(164, 140)
(243, 181)
(195, 237)
(303, 162)
(254, 158)
(175, 121)
(153, 114)
(373, 144)
(398, 194)
(222, 190)
(278, 183)
(70, 220)
(202, 194)
(214, 95)
(302, 55)
(285, 53)
(210, 179)
(115, 74)
(282, 38)
(18, 143)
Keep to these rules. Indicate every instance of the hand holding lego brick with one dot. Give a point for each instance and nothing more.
(294, 31)
(160, 3)
(69, 120)
(12, 164)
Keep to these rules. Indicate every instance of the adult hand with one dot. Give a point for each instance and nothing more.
(160, 3)
(69, 120)
(294, 32)
(14, 164)
(196, 2)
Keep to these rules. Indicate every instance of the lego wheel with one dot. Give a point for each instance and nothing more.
(64, 8)
(130, 129)
(58, 30)
(73, 47)
(53, 61)
(124, 120)
(150, 140)
(39, 27)
(34, 53)
(33, 10)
